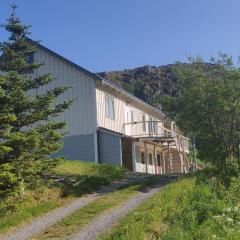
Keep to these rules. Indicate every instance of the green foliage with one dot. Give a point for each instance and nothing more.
(148, 83)
(9, 182)
(188, 209)
(209, 107)
(28, 131)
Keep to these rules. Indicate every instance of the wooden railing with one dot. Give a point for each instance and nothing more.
(156, 129)
(161, 129)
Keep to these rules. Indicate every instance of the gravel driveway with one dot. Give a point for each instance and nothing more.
(43, 222)
(105, 221)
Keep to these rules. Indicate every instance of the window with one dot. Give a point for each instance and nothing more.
(142, 157)
(143, 123)
(150, 160)
(158, 159)
(30, 58)
(131, 116)
(150, 125)
(155, 126)
(109, 107)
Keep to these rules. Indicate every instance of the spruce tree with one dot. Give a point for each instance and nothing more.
(28, 131)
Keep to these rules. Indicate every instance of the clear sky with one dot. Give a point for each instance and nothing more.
(108, 35)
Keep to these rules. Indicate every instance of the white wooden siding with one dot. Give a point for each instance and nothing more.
(120, 105)
(81, 117)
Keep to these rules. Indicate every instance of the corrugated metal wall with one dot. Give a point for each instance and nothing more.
(81, 118)
(78, 147)
(109, 148)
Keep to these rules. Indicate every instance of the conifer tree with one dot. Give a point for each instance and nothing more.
(28, 131)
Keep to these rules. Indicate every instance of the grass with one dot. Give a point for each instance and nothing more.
(190, 209)
(74, 178)
(73, 223)
(148, 220)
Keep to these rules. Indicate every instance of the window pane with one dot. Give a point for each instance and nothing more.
(131, 115)
(150, 125)
(109, 107)
(142, 158)
(150, 158)
(144, 123)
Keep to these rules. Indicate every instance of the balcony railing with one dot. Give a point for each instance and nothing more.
(155, 129)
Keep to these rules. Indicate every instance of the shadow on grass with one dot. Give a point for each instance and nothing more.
(77, 185)
(76, 178)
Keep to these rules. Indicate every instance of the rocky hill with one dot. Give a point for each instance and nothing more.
(148, 83)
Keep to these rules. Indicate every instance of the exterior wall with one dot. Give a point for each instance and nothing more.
(78, 147)
(110, 150)
(81, 117)
(120, 105)
(139, 166)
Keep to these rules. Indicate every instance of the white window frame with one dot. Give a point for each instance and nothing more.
(109, 107)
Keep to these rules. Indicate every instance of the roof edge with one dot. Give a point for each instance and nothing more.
(63, 58)
(97, 77)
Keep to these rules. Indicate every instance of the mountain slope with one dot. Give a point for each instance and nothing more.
(147, 83)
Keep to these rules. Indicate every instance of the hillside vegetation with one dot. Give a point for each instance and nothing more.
(147, 82)
(190, 209)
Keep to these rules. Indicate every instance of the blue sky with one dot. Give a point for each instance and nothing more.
(103, 35)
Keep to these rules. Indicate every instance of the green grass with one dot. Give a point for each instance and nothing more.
(73, 223)
(77, 178)
(82, 177)
(185, 210)
(148, 220)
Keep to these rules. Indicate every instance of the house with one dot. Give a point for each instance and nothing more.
(106, 124)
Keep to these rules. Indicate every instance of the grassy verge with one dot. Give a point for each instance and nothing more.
(147, 221)
(190, 209)
(71, 179)
(73, 223)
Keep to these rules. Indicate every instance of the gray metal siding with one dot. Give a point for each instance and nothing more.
(109, 148)
(78, 147)
(81, 117)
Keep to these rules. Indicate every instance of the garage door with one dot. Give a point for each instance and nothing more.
(109, 148)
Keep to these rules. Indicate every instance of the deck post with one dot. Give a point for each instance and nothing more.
(169, 166)
(134, 157)
(146, 156)
(154, 158)
(163, 160)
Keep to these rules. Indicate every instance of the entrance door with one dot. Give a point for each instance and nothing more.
(128, 120)
(127, 155)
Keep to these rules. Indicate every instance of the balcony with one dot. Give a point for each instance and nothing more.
(160, 131)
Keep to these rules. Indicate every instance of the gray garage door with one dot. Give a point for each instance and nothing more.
(109, 148)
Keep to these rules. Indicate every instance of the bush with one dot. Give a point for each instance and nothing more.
(9, 182)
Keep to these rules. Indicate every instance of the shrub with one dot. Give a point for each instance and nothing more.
(9, 182)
